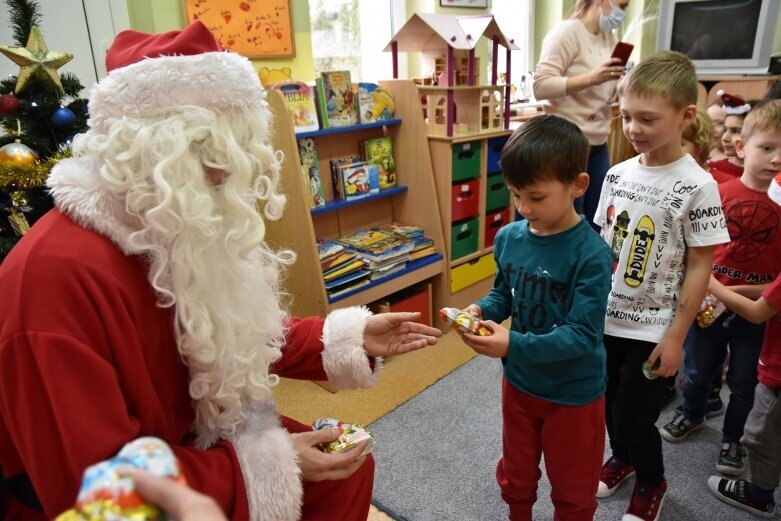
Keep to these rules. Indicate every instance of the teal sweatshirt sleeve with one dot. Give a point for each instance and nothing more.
(583, 328)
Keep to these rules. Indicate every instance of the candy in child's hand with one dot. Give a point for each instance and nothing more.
(463, 321)
(647, 369)
(350, 435)
(107, 494)
(710, 309)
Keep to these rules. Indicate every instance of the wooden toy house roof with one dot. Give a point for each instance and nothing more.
(435, 32)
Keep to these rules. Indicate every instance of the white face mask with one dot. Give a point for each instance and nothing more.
(613, 20)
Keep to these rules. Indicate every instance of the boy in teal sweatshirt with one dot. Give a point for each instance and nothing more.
(552, 278)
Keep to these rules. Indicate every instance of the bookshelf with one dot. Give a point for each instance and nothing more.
(413, 201)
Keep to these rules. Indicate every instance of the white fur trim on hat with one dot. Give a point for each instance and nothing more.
(212, 80)
(774, 190)
(344, 360)
(269, 464)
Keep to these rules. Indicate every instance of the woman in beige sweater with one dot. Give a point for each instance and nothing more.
(577, 76)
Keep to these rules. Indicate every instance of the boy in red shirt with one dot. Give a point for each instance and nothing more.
(763, 426)
(730, 167)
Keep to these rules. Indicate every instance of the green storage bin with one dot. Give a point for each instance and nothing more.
(466, 160)
(496, 193)
(463, 238)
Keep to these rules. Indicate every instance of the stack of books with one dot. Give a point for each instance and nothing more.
(382, 253)
(342, 270)
(422, 246)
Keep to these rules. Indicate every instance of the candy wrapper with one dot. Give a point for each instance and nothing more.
(710, 309)
(350, 435)
(647, 369)
(106, 495)
(463, 321)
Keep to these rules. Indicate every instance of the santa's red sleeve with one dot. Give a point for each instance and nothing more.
(329, 349)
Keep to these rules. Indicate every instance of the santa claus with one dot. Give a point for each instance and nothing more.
(147, 303)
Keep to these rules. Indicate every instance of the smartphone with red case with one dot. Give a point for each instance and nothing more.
(622, 51)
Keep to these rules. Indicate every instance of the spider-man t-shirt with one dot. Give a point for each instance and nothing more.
(753, 255)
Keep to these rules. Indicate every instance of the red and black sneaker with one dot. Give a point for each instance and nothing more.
(646, 503)
(735, 492)
(614, 472)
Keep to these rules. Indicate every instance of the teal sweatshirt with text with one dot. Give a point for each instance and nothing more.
(555, 288)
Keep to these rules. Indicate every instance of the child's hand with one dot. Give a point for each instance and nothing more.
(714, 284)
(474, 310)
(495, 345)
(670, 353)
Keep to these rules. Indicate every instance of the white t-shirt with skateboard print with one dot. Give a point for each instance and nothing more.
(649, 216)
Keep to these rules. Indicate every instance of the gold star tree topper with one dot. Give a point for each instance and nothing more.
(36, 58)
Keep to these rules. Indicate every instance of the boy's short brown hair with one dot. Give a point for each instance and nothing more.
(545, 147)
(764, 115)
(669, 74)
(700, 132)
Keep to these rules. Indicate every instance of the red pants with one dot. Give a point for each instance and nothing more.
(346, 499)
(573, 441)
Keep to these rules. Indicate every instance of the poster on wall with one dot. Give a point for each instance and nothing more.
(252, 28)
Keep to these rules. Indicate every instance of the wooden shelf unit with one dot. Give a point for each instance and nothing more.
(465, 172)
(414, 201)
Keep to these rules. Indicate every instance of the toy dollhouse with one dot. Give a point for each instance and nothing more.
(456, 105)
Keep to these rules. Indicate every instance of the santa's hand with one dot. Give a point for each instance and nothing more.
(395, 333)
(317, 465)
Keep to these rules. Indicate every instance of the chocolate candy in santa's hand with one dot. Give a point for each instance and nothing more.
(350, 435)
(106, 494)
(710, 309)
(463, 321)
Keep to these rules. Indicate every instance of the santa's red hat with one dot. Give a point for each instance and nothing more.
(733, 105)
(150, 74)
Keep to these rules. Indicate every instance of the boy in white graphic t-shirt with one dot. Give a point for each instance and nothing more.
(661, 214)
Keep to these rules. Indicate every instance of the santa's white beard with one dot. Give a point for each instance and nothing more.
(223, 282)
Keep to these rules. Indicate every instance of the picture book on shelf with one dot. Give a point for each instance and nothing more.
(335, 164)
(320, 102)
(374, 103)
(339, 99)
(358, 180)
(300, 99)
(328, 249)
(310, 168)
(402, 230)
(380, 152)
(350, 281)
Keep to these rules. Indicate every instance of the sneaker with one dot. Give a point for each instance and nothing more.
(646, 503)
(735, 492)
(731, 459)
(713, 408)
(680, 428)
(614, 472)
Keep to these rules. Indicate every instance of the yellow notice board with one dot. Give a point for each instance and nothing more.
(253, 28)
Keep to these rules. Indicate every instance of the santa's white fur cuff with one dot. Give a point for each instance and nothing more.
(344, 360)
(269, 464)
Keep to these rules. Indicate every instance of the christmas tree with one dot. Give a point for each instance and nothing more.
(37, 124)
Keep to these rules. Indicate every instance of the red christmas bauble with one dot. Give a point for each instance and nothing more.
(8, 103)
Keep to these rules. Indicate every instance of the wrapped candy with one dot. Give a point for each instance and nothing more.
(350, 435)
(647, 369)
(710, 309)
(108, 495)
(463, 321)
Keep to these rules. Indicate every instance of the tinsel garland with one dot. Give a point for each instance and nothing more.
(16, 177)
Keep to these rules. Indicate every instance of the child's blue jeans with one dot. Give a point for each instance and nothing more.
(704, 352)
